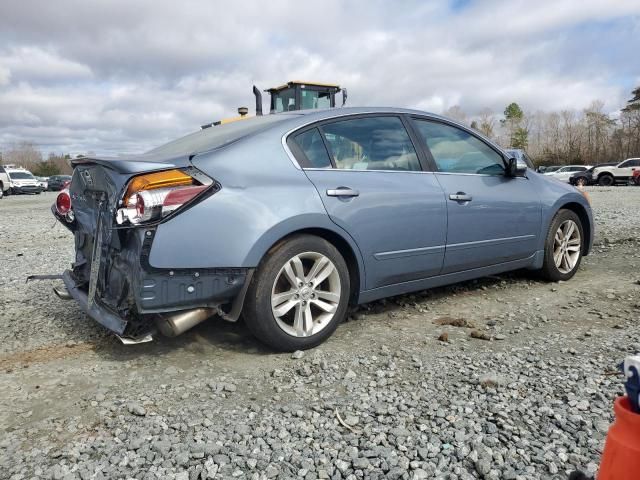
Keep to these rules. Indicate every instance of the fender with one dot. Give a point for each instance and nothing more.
(316, 221)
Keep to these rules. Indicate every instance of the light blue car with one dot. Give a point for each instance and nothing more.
(286, 219)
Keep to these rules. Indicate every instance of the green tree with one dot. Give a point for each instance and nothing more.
(520, 138)
(634, 103)
(513, 119)
(513, 112)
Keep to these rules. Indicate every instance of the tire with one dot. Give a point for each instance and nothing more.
(1, 191)
(302, 323)
(606, 180)
(550, 269)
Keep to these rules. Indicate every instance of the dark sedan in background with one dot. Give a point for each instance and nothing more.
(586, 177)
(56, 182)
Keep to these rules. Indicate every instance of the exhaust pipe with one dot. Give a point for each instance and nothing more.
(174, 324)
(258, 95)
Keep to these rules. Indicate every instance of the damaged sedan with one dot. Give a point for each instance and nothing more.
(287, 219)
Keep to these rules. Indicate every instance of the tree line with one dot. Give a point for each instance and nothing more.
(27, 155)
(587, 136)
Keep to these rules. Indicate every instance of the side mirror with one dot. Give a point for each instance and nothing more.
(516, 168)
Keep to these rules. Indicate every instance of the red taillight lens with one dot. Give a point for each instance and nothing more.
(63, 202)
(180, 196)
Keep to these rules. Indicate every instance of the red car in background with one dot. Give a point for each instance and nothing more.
(635, 179)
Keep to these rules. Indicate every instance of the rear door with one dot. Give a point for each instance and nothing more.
(492, 218)
(373, 185)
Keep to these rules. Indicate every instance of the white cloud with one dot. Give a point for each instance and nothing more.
(113, 76)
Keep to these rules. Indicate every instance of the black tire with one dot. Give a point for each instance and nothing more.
(257, 310)
(549, 270)
(606, 180)
(1, 191)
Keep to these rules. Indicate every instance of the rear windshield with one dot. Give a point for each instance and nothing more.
(21, 175)
(218, 135)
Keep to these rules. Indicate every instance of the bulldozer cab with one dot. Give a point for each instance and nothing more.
(297, 95)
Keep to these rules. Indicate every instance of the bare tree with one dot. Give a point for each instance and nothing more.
(456, 113)
(486, 122)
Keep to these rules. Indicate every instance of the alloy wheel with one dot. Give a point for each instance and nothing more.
(567, 244)
(305, 294)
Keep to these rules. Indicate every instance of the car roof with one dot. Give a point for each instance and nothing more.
(278, 123)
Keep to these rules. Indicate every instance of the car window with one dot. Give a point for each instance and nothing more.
(634, 163)
(624, 164)
(581, 169)
(315, 99)
(21, 175)
(371, 143)
(312, 146)
(457, 151)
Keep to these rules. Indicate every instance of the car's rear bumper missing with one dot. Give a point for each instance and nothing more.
(100, 314)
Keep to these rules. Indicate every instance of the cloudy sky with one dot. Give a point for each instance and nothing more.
(123, 76)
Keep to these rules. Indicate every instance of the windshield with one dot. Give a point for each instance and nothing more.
(218, 135)
(551, 169)
(21, 175)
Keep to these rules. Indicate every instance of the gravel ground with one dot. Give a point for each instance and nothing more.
(383, 398)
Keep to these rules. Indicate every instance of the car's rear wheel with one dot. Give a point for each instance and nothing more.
(563, 247)
(581, 182)
(298, 295)
(605, 180)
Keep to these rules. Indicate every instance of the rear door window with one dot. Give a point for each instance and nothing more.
(371, 143)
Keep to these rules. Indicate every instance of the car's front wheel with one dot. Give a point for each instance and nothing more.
(563, 247)
(298, 295)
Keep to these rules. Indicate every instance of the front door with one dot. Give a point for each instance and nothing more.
(492, 218)
(371, 182)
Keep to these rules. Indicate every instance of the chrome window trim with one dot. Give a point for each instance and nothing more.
(356, 170)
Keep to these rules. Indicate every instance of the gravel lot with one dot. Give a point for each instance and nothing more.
(383, 398)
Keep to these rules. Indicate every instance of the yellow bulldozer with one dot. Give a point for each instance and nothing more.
(291, 96)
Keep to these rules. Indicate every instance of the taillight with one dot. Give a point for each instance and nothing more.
(63, 202)
(153, 196)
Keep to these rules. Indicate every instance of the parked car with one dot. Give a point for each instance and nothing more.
(521, 156)
(548, 169)
(22, 181)
(563, 174)
(620, 173)
(288, 218)
(56, 182)
(5, 182)
(43, 182)
(585, 177)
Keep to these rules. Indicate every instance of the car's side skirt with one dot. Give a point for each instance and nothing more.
(532, 262)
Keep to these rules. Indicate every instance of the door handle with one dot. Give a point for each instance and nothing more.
(460, 197)
(342, 192)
